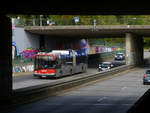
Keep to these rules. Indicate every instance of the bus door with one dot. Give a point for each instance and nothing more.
(64, 66)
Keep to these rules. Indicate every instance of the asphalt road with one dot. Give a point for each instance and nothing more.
(28, 80)
(25, 80)
(114, 95)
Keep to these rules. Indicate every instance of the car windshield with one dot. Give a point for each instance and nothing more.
(148, 72)
(119, 54)
(105, 65)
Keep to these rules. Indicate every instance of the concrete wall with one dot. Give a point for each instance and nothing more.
(49, 43)
(24, 39)
(59, 43)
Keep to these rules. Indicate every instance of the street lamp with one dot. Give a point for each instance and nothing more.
(41, 20)
(134, 18)
(94, 25)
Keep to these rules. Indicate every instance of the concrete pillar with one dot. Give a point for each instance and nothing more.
(134, 49)
(5, 58)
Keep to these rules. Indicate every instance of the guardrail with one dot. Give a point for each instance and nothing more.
(34, 93)
(109, 20)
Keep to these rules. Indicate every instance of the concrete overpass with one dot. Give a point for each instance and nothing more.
(88, 31)
(134, 36)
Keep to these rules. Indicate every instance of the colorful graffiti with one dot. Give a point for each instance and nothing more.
(26, 68)
(24, 62)
(92, 49)
(97, 46)
(29, 53)
(82, 44)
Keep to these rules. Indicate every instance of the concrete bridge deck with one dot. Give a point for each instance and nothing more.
(88, 31)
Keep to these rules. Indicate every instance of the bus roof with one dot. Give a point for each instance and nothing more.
(61, 52)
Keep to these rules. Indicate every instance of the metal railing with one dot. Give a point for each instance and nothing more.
(82, 21)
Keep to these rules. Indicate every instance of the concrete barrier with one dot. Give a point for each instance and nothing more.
(25, 95)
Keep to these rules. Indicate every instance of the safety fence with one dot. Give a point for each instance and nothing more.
(113, 20)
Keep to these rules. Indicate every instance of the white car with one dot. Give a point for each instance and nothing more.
(119, 56)
(105, 66)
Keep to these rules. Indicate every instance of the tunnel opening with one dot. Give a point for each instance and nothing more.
(41, 39)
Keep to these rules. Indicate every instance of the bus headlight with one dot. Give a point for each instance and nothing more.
(35, 72)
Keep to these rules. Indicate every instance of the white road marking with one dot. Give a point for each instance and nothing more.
(123, 88)
(101, 99)
(103, 104)
(86, 104)
(112, 104)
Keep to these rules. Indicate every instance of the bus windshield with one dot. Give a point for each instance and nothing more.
(44, 63)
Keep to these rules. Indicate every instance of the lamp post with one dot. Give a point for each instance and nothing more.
(33, 21)
(41, 20)
(94, 25)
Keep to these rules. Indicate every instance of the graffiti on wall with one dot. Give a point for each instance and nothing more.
(82, 44)
(93, 48)
(29, 53)
(27, 68)
(25, 54)
(97, 46)
(19, 59)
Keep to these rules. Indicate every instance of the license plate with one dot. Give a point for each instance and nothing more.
(43, 76)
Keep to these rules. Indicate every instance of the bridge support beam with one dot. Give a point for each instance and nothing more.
(134, 49)
(5, 58)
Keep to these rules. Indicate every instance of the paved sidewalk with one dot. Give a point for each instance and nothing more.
(21, 73)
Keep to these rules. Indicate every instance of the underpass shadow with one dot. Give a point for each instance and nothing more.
(142, 105)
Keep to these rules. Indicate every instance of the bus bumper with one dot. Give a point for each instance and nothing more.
(45, 75)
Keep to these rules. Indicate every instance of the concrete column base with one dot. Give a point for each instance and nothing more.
(134, 49)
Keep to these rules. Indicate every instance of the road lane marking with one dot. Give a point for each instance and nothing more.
(123, 88)
(100, 99)
(112, 104)
(86, 104)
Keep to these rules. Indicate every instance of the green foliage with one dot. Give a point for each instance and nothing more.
(87, 19)
(29, 20)
(111, 42)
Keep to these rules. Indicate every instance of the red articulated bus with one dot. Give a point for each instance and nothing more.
(60, 63)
